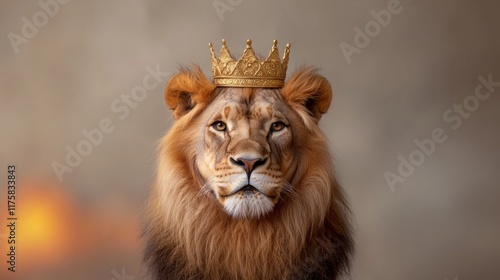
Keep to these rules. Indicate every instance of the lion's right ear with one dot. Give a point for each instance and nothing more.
(186, 89)
(308, 93)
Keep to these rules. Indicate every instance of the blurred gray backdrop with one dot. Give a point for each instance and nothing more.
(402, 72)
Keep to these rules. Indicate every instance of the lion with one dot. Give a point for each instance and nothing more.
(244, 186)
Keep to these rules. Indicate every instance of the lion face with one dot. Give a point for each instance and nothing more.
(244, 145)
(248, 157)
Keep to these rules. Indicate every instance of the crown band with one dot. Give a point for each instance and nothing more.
(249, 71)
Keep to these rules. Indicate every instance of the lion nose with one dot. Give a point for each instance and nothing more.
(249, 164)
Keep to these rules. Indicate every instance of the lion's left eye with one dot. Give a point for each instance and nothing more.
(219, 126)
(277, 126)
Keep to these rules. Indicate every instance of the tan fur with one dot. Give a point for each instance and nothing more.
(188, 234)
(186, 89)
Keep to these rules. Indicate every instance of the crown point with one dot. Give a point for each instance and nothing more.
(288, 46)
(249, 43)
(275, 43)
(224, 41)
(211, 47)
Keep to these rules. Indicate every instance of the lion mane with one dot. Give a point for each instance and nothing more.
(303, 232)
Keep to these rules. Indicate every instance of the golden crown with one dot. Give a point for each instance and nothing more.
(249, 71)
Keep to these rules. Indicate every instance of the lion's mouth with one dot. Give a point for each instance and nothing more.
(247, 202)
(246, 190)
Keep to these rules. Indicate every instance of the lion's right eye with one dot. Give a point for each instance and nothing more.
(219, 126)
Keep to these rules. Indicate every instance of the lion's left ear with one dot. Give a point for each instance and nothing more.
(310, 91)
(186, 89)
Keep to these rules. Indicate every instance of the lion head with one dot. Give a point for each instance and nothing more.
(245, 185)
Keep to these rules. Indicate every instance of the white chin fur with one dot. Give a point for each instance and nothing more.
(247, 206)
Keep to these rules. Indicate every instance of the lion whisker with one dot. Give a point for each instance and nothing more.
(206, 189)
(288, 191)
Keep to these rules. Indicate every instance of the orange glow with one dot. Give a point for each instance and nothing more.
(55, 231)
(41, 226)
(43, 221)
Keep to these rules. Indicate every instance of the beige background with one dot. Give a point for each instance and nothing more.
(442, 222)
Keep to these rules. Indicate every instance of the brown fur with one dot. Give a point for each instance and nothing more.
(189, 236)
